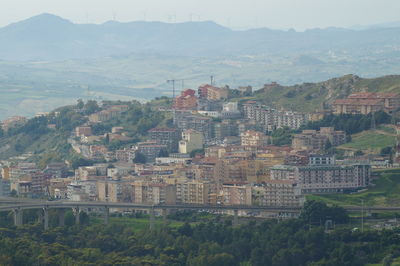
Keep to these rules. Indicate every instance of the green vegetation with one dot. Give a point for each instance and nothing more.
(50, 145)
(312, 96)
(352, 124)
(128, 241)
(384, 192)
(282, 136)
(371, 141)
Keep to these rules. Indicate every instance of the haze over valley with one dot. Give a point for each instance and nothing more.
(47, 61)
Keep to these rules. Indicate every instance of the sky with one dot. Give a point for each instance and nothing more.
(237, 14)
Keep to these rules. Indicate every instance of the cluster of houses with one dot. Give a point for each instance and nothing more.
(216, 152)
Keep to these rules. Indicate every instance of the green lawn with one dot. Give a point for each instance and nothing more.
(385, 192)
(372, 141)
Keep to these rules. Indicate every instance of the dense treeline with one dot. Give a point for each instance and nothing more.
(351, 124)
(211, 242)
(270, 243)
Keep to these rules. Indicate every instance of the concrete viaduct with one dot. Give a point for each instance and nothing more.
(18, 206)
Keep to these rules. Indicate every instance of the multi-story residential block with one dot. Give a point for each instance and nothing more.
(254, 138)
(271, 118)
(166, 136)
(236, 194)
(324, 178)
(367, 102)
(191, 140)
(186, 101)
(317, 140)
(194, 192)
(58, 187)
(150, 149)
(83, 131)
(125, 155)
(278, 193)
(115, 190)
(186, 120)
(213, 93)
(224, 129)
(56, 170)
(97, 152)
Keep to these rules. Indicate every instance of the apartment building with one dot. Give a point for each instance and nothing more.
(83, 131)
(186, 120)
(166, 136)
(194, 192)
(316, 140)
(254, 138)
(186, 101)
(213, 93)
(323, 178)
(367, 102)
(236, 194)
(150, 149)
(271, 118)
(278, 193)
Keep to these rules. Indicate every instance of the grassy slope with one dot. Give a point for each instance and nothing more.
(385, 192)
(372, 141)
(311, 96)
(51, 142)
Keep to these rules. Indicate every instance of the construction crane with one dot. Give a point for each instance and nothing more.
(173, 81)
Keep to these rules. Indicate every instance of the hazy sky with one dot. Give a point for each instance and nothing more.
(297, 14)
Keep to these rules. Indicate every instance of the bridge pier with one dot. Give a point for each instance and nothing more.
(235, 217)
(40, 216)
(152, 219)
(76, 212)
(46, 218)
(165, 214)
(106, 215)
(61, 217)
(18, 217)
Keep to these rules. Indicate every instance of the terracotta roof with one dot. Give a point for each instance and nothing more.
(373, 95)
(358, 101)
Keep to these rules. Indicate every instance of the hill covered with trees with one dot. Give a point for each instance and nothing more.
(309, 97)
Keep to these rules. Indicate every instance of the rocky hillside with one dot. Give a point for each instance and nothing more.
(313, 96)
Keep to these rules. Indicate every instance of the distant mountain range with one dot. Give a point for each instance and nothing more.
(48, 37)
(47, 61)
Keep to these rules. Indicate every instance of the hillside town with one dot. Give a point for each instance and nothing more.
(216, 151)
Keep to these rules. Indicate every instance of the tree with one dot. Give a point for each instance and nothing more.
(317, 211)
(91, 107)
(77, 162)
(80, 104)
(328, 145)
(139, 158)
(386, 151)
(359, 153)
(197, 152)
